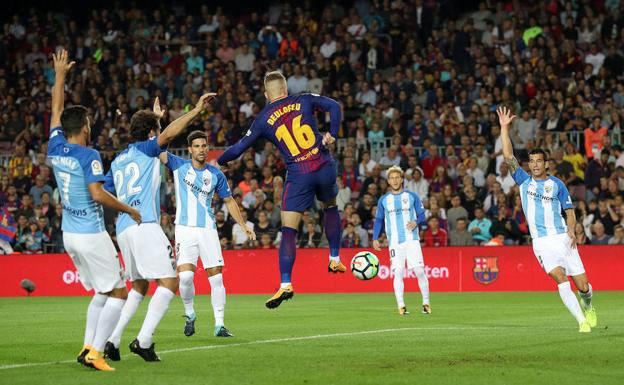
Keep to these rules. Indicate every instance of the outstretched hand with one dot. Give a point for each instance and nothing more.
(158, 110)
(204, 100)
(62, 65)
(504, 116)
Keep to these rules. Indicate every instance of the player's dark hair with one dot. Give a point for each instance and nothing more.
(197, 134)
(142, 123)
(73, 119)
(537, 151)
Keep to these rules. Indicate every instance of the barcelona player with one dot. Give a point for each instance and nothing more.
(554, 242)
(288, 121)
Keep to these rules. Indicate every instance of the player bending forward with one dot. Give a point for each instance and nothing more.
(196, 231)
(79, 175)
(402, 211)
(289, 122)
(135, 177)
(554, 244)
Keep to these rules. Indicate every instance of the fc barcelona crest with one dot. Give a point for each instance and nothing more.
(485, 269)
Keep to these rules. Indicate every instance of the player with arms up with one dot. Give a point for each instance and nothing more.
(196, 234)
(401, 212)
(135, 178)
(543, 197)
(79, 175)
(289, 122)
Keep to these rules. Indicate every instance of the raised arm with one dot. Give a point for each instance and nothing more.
(176, 127)
(244, 143)
(62, 65)
(505, 118)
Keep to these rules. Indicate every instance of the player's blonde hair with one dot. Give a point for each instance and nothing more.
(272, 76)
(394, 169)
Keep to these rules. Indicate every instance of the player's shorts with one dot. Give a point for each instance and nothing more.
(96, 260)
(407, 253)
(147, 252)
(300, 190)
(192, 242)
(555, 250)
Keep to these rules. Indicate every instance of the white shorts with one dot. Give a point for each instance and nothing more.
(96, 260)
(192, 242)
(555, 250)
(147, 252)
(408, 253)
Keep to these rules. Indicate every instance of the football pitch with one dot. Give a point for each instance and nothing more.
(471, 338)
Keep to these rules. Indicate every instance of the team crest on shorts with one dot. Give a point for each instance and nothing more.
(485, 269)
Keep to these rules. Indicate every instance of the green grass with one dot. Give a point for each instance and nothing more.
(471, 338)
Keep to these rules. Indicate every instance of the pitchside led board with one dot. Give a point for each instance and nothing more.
(256, 271)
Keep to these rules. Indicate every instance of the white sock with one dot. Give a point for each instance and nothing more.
(93, 314)
(217, 297)
(399, 287)
(571, 302)
(127, 312)
(586, 298)
(335, 259)
(423, 284)
(187, 292)
(109, 317)
(284, 284)
(155, 312)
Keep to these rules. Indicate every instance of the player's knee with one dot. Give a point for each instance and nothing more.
(214, 270)
(558, 275)
(420, 273)
(170, 283)
(399, 273)
(329, 204)
(140, 286)
(186, 277)
(121, 293)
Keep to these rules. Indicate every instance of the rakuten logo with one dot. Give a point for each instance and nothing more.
(70, 277)
(432, 272)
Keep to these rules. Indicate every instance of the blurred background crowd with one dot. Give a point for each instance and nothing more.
(418, 81)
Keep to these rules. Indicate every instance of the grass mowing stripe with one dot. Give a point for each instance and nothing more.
(270, 341)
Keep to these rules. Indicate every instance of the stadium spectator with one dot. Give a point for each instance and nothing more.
(600, 237)
(434, 236)
(480, 227)
(460, 235)
(310, 237)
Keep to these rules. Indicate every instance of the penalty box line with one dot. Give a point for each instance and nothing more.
(269, 341)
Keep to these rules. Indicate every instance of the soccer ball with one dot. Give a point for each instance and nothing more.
(365, 265)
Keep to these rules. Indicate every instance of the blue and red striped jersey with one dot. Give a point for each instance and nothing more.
(291, 125)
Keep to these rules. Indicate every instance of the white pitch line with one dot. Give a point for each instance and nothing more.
(271, 341)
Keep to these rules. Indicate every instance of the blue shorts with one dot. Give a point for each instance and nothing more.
(300, 189)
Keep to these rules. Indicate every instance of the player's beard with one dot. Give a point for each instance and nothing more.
(200, 160)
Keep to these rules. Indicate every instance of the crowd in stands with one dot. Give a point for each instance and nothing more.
(417, 84)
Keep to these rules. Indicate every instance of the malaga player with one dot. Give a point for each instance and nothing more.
(400, 212)
(289, 122)
(196, 234)
(79, 175)
(135, 178)
(543, 197)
